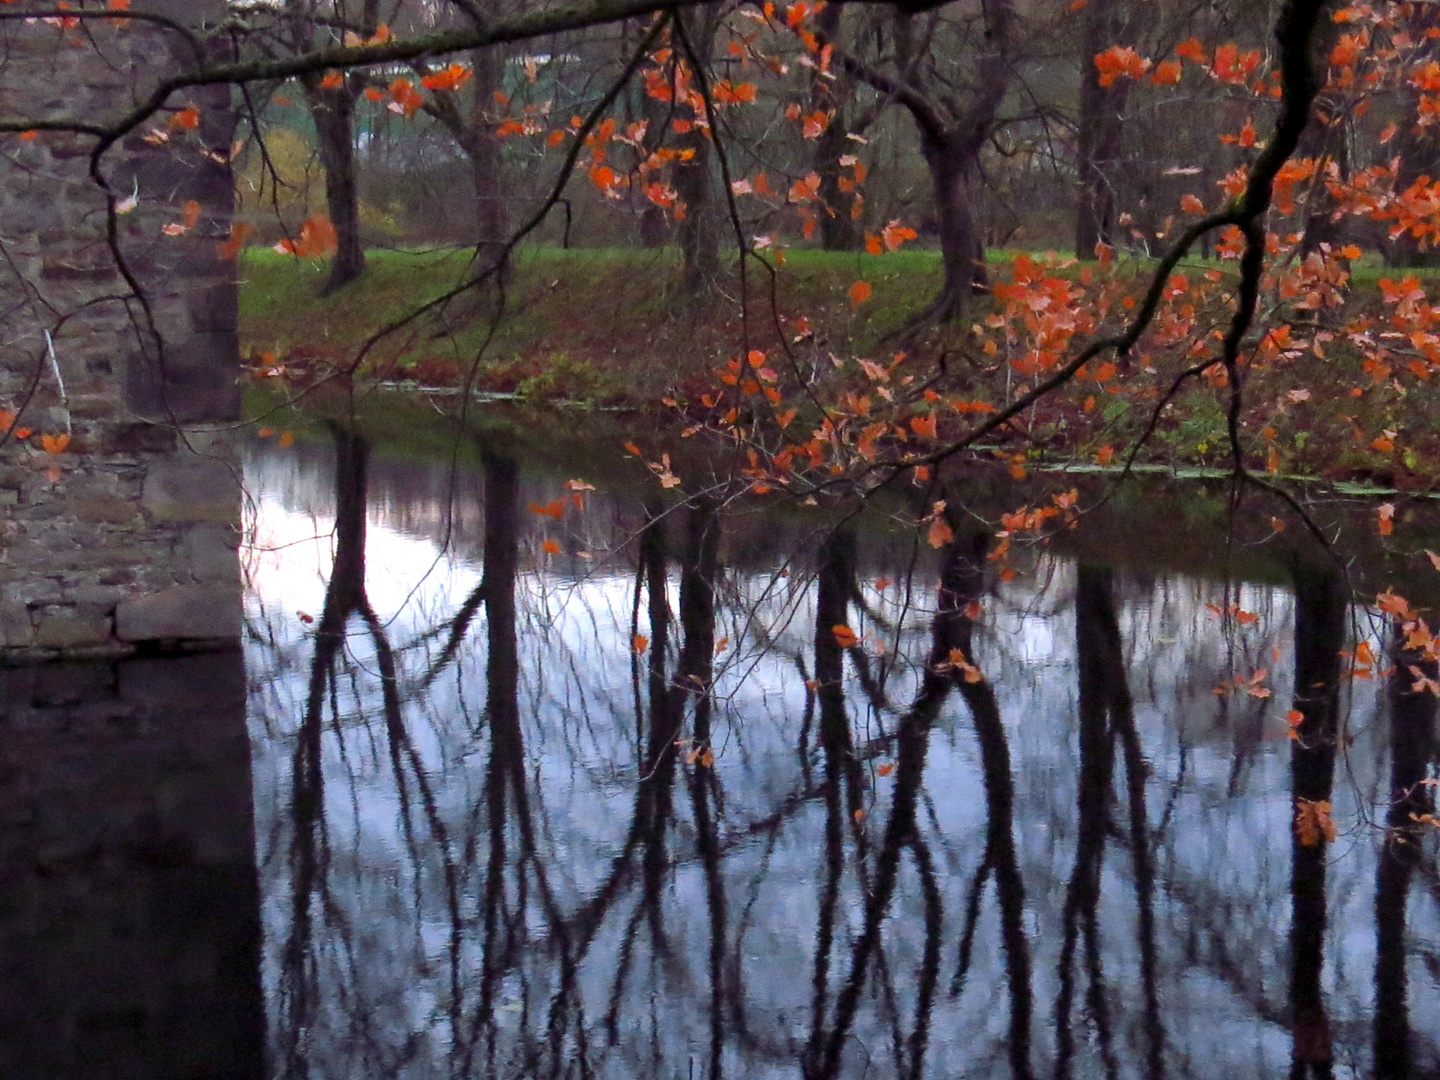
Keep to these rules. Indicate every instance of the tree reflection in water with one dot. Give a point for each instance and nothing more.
(526, 816)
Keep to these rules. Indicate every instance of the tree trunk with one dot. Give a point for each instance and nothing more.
(699, 247)
(950, 158)
(1097, 142)
(837, 225)
(332, 111)
(492, 222)
(1322, 139)
(654, 226)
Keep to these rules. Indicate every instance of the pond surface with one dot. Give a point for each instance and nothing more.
(587, 784)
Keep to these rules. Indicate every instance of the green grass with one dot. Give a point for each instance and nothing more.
(605, 327)
(597, 324)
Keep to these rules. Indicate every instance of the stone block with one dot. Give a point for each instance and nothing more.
(16, 630)
(35, 591)
(194, 490)
(215, 309)
(211, 551)
(186, 612)
(198, 381)
(139, 438)
(71, 628)
(99, 508)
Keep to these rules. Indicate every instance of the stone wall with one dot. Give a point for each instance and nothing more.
(127, 536)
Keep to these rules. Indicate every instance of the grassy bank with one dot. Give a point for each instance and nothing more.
(607, 327)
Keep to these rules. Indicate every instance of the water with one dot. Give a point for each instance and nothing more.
(627, 807)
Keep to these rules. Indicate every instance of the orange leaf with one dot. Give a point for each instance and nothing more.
(55, 444)
(317, 239)
(230, 249)
(603, 177)
(886, 769)
(286, 440)
(1191, 204)
(844, 636)
(1313, 822)
(639, 643)
(550, 547)
(187, 118)
(555, 509)
(191, 210)
(333, 80)
(1386, 518)
(859, 293)
(894, 234)
(1120, 60)
(940, 533)
(451, 77)
(1191, 49)
(1166, 73)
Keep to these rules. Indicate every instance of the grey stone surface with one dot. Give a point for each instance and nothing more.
(16, 629)
(185, 612)
(192, 489)
(213, 553)
(71, 628)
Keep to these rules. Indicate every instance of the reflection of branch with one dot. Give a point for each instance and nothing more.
(960, 583)
(1412, 733)
(697, 620)
(344, 595)
(1097, 646)
(1000, 837)
(1320, 613)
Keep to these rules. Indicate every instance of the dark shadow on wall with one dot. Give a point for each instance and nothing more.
(129, 905)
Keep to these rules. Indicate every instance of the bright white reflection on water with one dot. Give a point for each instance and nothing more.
(459, 902)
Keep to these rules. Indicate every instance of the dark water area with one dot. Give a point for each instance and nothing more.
(600, 792)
